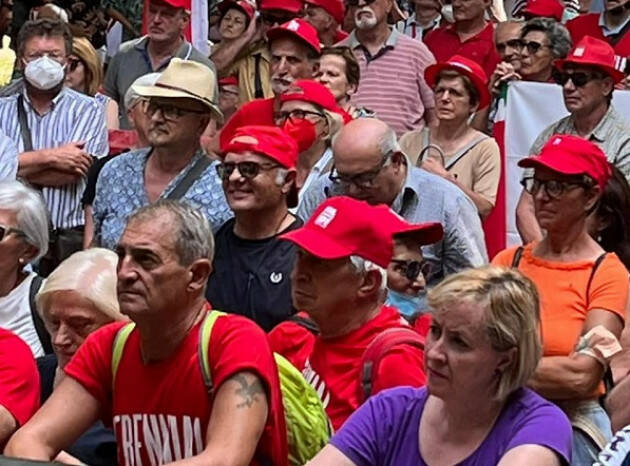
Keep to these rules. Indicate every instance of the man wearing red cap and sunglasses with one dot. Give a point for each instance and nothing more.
(588, 77)
(167, 21)
(251, 266)
(339, 279)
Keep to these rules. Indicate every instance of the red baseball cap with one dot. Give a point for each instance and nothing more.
(545, 9)
(297, 28)
(342, 226)
(334, 8)
(228, 81)
(571, 155)
(185, 4)
(241, 5)
(468, 68)
(292, 6)
(594, 52)
(308, 90)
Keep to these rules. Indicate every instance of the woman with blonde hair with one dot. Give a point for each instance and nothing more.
(482, 348)
(85, 75)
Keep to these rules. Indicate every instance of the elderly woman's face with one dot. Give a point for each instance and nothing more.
(536, 56)
(459, 360)
(233, 24)
(15, 252)
(452, 100)
(69, 319)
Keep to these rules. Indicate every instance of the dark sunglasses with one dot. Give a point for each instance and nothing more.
(411, 269)
(356, 2)
(73, 63)
(579, 78)
(247, 170)
(274, 18)
(553, 188)
(6, 231)
(169, 112)
(513, 43)
(532, 46)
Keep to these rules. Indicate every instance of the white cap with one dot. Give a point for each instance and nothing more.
(131, 96)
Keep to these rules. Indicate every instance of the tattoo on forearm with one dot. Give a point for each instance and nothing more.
(249, 390)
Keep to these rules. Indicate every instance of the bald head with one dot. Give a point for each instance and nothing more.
(360, 141)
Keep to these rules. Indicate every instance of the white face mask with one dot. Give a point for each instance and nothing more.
(44, 73)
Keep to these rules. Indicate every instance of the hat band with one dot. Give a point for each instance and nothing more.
(185, 91)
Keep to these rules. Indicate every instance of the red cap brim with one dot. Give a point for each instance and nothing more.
(427, 233)
(432, 71)
(556, 165)
(316, 243)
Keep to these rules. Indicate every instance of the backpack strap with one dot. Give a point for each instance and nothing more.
(305, 322)
(517, 257)
(119, 346)
(40, 328)
(202, 349)
(378, 349)
(25, 131)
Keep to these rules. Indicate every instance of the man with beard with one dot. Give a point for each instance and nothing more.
(57, 131)
(611, 25)
(386, 56)
(180, 106)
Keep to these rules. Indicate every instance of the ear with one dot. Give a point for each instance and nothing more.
(506, 360)
(592, 197)
(371, 283)
(289, 181)
(198, 273)
(608, 85)
(352, 89)
(398, 160)
(315, 66)
(30, 252)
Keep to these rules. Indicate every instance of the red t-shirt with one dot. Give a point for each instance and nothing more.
(161, 410)
(588, 25)
(444, 43)
(333, 366)
(256, 112)
(19, 379)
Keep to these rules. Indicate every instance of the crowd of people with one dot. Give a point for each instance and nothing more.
(272, 247)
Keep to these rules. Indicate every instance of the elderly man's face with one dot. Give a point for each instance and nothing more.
(289, 62)
(507, 40)
(165, 23)
(466, 10)
(52, 46)
(584, 99)
(173, 122)
(70, 318)
(536, 57)
(318, 17)
(366, 16)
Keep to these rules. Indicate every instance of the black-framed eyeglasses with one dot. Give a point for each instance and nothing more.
(297, 114)
(363, 180)
(356, 2)
(532, 46)
(411, 269)
(169, 112)
(6, 231)
(247, 170)
(579, 78)
(553, 188)
(513, 43)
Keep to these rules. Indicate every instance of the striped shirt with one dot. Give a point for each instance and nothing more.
(73, 117)
(8, 158)
(392, 81)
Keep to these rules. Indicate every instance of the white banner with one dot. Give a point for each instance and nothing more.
(531, 107)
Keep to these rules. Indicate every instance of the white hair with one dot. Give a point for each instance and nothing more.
(362, 266)
(388, 144)
(31, 213)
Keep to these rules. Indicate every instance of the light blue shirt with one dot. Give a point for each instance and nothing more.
(8, 158)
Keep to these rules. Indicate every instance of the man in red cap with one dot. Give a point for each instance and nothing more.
(543, 9)
(611, 25)
(327, 17)
(588, 77)
(229, 96)
(167, 21)
(251, 266)
(339, 279)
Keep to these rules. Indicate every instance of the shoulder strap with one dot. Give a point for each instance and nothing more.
(40, 328)
(24, 129)
(596, 265)
(305, 322)
(189, 178)
(204, 342)
(517, 257)
(258, 89)
(464, 150)
(378, 348)
(118, 347)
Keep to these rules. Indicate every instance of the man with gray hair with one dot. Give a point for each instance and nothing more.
(369, 165)
(147, 378)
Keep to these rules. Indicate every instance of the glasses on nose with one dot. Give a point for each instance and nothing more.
(579, 78)
(412, 269)
(297, 114)
(512, 43)
(247, 170)
(553, 188)
(532, 46)
(6, 231)
(169, 112)
(356, 2)
(363, 180)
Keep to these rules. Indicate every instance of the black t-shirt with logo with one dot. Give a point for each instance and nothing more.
(253, 277)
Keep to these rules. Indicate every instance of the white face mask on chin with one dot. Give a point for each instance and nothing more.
(44, 73)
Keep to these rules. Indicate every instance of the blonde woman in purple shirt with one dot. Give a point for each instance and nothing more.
(483, 346)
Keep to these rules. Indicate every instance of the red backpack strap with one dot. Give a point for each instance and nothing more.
(378, 349)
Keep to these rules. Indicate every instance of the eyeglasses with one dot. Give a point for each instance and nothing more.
(532, 46)
(364, 180)
(247, 170)
(275, 18)
(169, 112)
(411, 269)
(513, 43)
(356, 2)
(553, 188)
(297, 114)
(579, 78)
(5, 231)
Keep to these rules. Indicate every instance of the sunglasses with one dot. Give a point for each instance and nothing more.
(579, 78)
(356, 2)
(73, 63)
(169, 112)
(6, 231)
(411, 269)
(553, 188)
(532, 46)
(247, 170)
(513, 43)
(274, 18)
(297, 114)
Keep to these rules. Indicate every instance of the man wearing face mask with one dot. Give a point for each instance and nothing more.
(252, 266)
(611, 25)
(57, 132)
(387, 56)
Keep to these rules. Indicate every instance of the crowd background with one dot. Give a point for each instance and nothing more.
(284, 241)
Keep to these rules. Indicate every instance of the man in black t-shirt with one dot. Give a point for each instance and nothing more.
(252, 267)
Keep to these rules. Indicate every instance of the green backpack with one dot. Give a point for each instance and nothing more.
(308, 426)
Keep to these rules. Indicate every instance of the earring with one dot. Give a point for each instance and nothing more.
(21, 260)
(599, 238)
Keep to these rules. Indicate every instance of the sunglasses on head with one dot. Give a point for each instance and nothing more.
(247, 170)
(6, 231)
(579, 78)
(411, 269)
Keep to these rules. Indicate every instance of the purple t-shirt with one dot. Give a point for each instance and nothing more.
(384, 431)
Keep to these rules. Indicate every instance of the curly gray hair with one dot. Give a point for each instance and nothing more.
(558, 35)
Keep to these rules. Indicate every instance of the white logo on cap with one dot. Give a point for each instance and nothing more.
(325, 217)
(578, 52)
(293, 25)
(556, 141)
